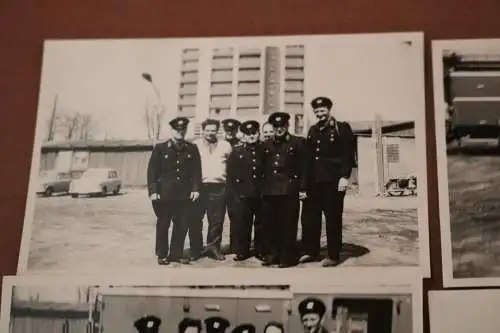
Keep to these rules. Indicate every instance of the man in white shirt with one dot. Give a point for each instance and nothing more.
(212, 200)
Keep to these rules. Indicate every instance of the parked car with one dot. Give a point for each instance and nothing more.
(53, 181)
(96, 181)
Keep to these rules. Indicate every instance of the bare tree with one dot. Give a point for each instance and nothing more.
(77, 126)
(153, 116)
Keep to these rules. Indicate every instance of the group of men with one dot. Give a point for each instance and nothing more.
(260, 183)
(311, 311)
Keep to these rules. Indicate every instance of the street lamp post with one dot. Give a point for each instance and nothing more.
(148, 77)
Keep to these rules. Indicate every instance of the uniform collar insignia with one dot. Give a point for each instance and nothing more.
(278, 118)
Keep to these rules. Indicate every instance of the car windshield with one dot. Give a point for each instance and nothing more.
(95, 173)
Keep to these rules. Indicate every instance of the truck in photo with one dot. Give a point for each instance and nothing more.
(472, 95)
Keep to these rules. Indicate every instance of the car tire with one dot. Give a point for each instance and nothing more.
(48, 191)
(104, 191)
(74, 196)
(117, 190)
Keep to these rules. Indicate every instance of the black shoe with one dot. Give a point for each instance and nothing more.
(306, 258)
(287, 264)
(216, 255)
(183, 261)
(327, 262)
(269, 261)
(241, 257)
(163, 261)
(195, 256)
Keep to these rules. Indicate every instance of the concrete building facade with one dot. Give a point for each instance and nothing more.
(242, 83)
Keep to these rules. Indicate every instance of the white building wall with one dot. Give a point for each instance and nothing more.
(402, 165)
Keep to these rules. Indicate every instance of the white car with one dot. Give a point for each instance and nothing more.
(96, 181)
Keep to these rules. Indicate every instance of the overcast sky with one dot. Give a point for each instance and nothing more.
(363, 74)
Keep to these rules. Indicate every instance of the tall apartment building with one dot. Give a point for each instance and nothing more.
(243, 83)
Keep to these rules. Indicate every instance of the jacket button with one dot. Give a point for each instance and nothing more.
(253, 153)
(254, 176)
(178, 162)
(317, 149)
(254, 168)
(317, 157)
(254, 160)
(275, 171)
(318, 141)
(237, 180)
(178, 178)
(276, 163)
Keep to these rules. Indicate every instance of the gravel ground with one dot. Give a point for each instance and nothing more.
(117, 232)
(474, 182)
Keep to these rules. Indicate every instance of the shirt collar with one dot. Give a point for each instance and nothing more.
(331, 123)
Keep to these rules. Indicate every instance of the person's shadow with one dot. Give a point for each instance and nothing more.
(349, 250)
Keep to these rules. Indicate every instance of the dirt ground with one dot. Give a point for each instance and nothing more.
(117, 232)
(474, 182)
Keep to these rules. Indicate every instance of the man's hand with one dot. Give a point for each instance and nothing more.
(343, 184)
(194, 196)
(154, 196)
(302, 195)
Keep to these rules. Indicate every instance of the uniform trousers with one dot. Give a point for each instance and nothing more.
(324, 198)
(231, 214)
(212, 202)
(167, 212)
(246, 215)
(281, 216)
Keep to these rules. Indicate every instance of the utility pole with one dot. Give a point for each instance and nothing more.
(52, 120)
(379, 151)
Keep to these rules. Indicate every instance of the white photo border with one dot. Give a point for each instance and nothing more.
(438, 47)
(416, 38)
(409, 284)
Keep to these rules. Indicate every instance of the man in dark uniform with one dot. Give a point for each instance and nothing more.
(285, 182)
(331, 148)
(244, 178)
(190, 325)
(216, 324)
(148, 324)
(173, 177)
(230, 127)
(312, 312)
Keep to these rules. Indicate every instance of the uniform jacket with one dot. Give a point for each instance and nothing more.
(331, 151)
(245, 170)
(285, 166)
(213, 163)
(174, 172)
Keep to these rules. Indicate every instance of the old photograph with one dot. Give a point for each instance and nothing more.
(75, 308)
(254, 152)
(464, 311)
(467, 115)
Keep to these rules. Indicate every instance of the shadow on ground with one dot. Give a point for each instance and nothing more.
(349, 250)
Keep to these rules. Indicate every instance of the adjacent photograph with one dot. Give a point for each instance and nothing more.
(467, 116)
(78, 308)
(463, 311)
(254, 152)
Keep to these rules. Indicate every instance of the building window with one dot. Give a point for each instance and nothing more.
(299, 124)
(188, 85)
(392, 151)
